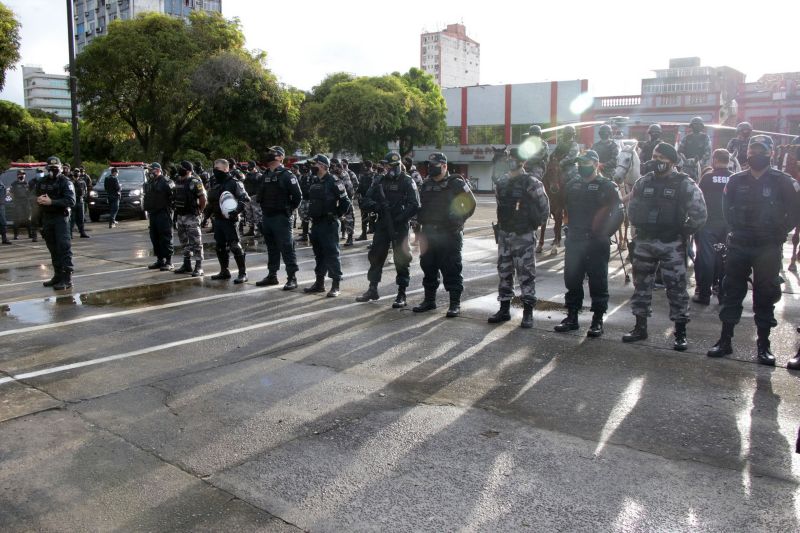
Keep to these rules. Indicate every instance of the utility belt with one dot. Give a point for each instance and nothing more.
(752, 241)
(443, 227)
(663, 236)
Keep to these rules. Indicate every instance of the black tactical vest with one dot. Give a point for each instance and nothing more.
(274, 196)
(436, 198)
(186, 202)
(758, 209)
(156, 194)
(658, 211)
(584, 199)
(516, 210)
(695, 146)
(321, 199)
(55, 188)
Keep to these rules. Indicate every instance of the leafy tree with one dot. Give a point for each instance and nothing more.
(425, 123)
(9, 42)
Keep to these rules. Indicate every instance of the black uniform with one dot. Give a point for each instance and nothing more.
(55, 220)
(595, 212)
(21, 214)
(226, 233)
(78, 218)
(395, 200)
(364, 183)
(708, 262)
(35, 212)
(114, 192)
(446, 206)
(279, 195)
(159, 200)
(760, 213)
(328, 201)
(3, 222)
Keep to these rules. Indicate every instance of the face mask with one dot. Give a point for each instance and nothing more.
(662, 167)
(697, 129)
(395, 171)
(220, 174)
(654, 137)
(586, 171)
(758, 162)
(20, 178)
(435, 171)
(604, 136)
(54, 172)
(513, 165)
(270, 158)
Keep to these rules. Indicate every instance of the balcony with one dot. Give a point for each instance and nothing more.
(610, 102)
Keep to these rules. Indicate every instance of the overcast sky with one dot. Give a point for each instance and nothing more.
(611, 43)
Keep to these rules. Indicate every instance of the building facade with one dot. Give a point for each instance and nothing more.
(451, 57)
(92, 17)
(772, 104)
(48, 92)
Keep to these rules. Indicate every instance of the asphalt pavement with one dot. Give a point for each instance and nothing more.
(149, 401)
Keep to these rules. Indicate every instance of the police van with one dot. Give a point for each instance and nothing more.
(132, 177)
(9, 176)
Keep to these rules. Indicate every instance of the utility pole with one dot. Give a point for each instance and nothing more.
(73, 88)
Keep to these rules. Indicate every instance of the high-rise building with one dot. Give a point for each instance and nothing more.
(451, 57)
(93, 16)
(48, 92)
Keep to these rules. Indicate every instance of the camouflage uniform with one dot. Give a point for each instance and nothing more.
(536, 164)
(663, 210)
(187, 216)
(608, 151)
(349, 218)
(566, 152)
(738, 148)
(252, 210)
(522, 206)
(697, 146)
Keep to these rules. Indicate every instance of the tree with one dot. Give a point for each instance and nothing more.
(9, 42)
(425, 122)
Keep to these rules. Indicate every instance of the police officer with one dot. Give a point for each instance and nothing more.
(666, 207)
(114, 192)
(522, 206)
(536, 152)
(252, 210)
(761, 205)
(302, 210)
(696, 145)
(364, 183)
(56, 196)
(77, 215)
(446, 204)
(328, 202)
(20, 193)
(595, 212)
(226, 234)
(737, 146)
(646, 148)
(35, 211)
(566, 151)
(3, 213)
(607, 150)
(708, 262)
(348, 219)
(395, 199)
(190, 201)
(159, 197)
(278, 196)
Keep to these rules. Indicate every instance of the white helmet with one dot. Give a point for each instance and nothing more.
(227, 204)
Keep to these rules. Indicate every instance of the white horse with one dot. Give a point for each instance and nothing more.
(625, 175)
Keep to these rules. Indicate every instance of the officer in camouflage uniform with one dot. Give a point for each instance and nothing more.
(566, 151)
(536, 152)
(446, 204)
(666, 207)
(364, 183)
(607, 150)
(737, 146)
(190, 201)
(646, 148)
(394, 199)
(761, 205)
(252, 210)
(696, 146)
(348, 226)
(522, 206)
(279, 195)
(595, 212)
(302, 210)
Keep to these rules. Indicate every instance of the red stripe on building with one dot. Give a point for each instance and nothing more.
(464, 138)
(508, 114)
(553, 103)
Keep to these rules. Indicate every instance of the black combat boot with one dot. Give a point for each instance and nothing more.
(167, 266)
(34, 238)
(64, 282)
(502, 315)
(242, 277)
(765, 356)
(400, 299)
(794, 362)
(53, 281)
(723, 346)
(680, 343)
(429, 303)
(186, 267)
(198, 269)
(570, 322)
(596, 329)
(363, 236)
(157, 265)
(455, 305)
(370, 294)
(527, 316)
(224, 262)
(702, 298)
(83, 235)
(5, 237)
(318, 286)
(271, 279)
(334, 292)
(349, 241)
(291, 283)
(304, 235)
(16, 232)
(639, 331)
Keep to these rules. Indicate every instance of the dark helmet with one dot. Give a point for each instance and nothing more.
(392, 159)
(535, 130)
(322, 160)
(570, 130)
(654, 128)
(187, 166)
(604, 131)
(697, 121)
(744, 126)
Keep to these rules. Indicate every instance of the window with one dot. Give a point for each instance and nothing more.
(452, 135)
(485, 134)
(697, 99)
(669, 100)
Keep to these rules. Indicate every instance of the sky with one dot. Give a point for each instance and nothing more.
(613, 44)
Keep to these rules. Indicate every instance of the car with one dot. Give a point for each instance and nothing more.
(132, 177)
(9, 176)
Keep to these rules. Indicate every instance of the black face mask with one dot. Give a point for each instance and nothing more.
(697, 128)
(54, 172)
(270, 158)
(220, 174)
(654, 137)
(758, 162)
(435, 171)
(604, 136)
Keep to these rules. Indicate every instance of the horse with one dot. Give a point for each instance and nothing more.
(554, 181)
(625, 175)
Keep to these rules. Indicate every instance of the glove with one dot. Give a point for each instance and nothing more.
(233, 216)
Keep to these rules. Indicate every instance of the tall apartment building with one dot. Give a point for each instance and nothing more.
(48, 92)
(93, 16)
(451, 57)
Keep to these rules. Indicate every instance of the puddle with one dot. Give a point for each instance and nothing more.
(541, 305)
(25, 273)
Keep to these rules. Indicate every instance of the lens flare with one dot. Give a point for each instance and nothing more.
(581, 104)
(530, 147)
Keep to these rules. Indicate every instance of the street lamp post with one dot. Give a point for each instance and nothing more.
(73, 88)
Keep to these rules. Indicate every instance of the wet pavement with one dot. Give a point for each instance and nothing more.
(144, 400)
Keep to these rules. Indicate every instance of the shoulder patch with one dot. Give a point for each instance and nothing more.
(796, 186)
